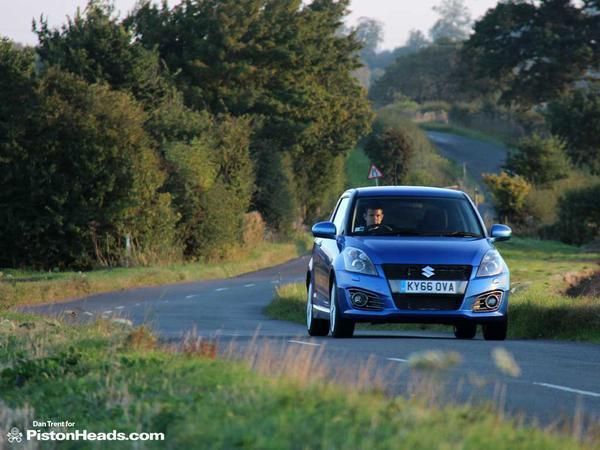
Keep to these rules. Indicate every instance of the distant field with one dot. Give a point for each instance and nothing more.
(107, 377)
(539, 307)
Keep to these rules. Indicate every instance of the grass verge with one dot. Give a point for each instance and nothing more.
(18, 287)
(540, 271)
(104, 378)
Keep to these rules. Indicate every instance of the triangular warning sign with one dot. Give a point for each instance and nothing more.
(374, 172)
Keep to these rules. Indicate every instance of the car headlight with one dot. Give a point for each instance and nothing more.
(491, 264)
(355, 260)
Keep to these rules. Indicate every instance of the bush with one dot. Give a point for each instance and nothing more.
(254, 229)
(221, 224)
(509, 194)
(539, 160)
(541, 201)
(576, 118)
(579, 216)
(275, 197)
(215, 162)
(494, 120)
(390, 148)
(89, 178)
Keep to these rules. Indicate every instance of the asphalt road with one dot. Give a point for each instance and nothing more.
(559, 380)
(478, 156)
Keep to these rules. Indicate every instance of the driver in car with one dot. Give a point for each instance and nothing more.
(373, 217)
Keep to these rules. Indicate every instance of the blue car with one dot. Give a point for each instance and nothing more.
(402, 254)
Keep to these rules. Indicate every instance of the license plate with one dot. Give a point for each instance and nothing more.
(429, 287)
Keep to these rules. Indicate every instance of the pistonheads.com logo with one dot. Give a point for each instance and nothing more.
(65, 431)
(15, 435)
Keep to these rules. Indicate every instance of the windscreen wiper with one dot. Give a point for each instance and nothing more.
(461, 234)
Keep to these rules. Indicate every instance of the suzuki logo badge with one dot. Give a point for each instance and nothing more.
(428, 272)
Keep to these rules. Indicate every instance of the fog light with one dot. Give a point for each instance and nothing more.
(492, 301)
(359, 299)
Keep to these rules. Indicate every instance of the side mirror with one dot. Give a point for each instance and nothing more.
(500, 232)
(324, 230)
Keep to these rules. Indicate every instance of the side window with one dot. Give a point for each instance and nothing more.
(340, 214)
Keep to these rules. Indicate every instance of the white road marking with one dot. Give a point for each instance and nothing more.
(275, 282)
(192, 296)
(397, 359)
(108, 311)
(119, 307)
(568, 389)
(249, 285)
(305, 343)
(87, 313)
(137, 304)
(221, 289)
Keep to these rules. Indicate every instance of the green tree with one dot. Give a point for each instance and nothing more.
(282, 63)
(579, 215)
(391, 149)
(369, 32)
(172, 121)
(576, 118)
(90, 178)
(416, 40)
(275, 195)
(534, 51)
(454, 23)
(96, 46)
(18, 102)
(510, 193)
(418, 76)
(539, 160)
(219, 161)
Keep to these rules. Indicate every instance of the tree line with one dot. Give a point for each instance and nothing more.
(531, 68)
(152, 136)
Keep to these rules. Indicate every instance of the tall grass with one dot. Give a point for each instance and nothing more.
(104, 377)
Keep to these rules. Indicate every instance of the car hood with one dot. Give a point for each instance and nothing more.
(421, 250)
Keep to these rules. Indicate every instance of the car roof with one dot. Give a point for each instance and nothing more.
(406, 191)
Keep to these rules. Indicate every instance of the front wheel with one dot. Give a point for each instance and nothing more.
(338, 326)
(315, 327)
(465, 330)
(495, 331)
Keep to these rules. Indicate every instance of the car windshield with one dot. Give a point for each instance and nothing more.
(415, 216)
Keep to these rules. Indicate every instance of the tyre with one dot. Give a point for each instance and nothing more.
(465, 330)
(315, 327)
(338, 326)
(495, 331)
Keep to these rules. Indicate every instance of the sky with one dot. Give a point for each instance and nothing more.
(397, 16)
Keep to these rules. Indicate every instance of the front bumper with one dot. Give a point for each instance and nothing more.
(391, 313)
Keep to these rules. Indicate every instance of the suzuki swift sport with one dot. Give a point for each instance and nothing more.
(407, 255)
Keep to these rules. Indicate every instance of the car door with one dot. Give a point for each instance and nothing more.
(326, 250)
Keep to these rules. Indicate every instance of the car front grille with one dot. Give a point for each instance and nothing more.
(414, 302)
(415, 272)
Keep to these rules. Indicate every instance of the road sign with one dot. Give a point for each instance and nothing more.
(374, 172)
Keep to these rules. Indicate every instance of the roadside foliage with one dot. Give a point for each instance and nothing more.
(147, 139)
(527, 75)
